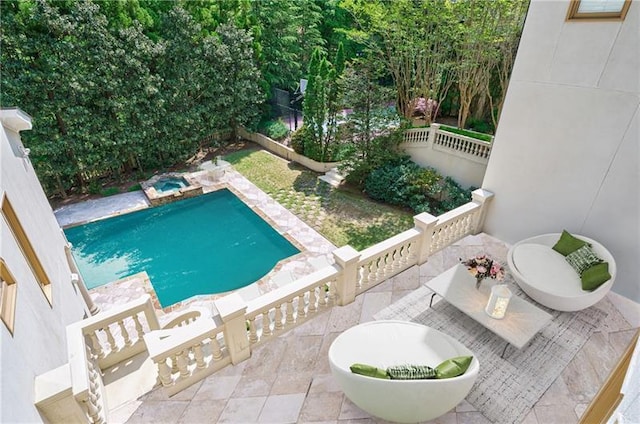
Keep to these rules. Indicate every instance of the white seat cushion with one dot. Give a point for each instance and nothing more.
(547, 270)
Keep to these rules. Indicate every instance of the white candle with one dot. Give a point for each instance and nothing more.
(498, 301)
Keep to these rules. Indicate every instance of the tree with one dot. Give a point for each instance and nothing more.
(509, 29)
(413, 39)
(371, 127)
(275, 26)
(321, 105)
(486, 42)
(240, 93)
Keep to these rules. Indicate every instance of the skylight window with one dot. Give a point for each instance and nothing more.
(598, 9)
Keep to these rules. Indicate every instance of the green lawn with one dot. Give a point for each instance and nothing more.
(343, 217)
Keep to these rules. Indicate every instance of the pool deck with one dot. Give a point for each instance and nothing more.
(315, 250)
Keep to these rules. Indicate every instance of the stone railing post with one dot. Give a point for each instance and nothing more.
(232, 310)
(483, 198)
(347, 258)
(425, 223)
(433, 129)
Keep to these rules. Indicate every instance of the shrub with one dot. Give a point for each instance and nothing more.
(299, 139)
(94, 187)
(110, 191)
(404, 183)
(134, 187)
(276, 130)
(480, 125)
(391, 183)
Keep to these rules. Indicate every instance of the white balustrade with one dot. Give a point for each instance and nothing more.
(416, 135)
(100, 341)
(387, 258)
(462, 143)
(186, 354)
(301, 300)
(117, 334)
(456, 142)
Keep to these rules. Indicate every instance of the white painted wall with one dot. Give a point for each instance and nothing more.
(565, 155)
(39, 340)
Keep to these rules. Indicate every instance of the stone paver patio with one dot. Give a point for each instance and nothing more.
(288, 380)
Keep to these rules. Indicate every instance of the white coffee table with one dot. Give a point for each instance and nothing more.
(521, 322)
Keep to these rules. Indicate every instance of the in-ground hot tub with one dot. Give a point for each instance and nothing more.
(170, 184)
(169, 187)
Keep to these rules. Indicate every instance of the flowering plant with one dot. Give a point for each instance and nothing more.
(482, 266)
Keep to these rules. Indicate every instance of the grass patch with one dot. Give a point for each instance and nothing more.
(468, 133)
(343, 217)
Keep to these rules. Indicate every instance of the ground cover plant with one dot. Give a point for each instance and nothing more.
(342, 216)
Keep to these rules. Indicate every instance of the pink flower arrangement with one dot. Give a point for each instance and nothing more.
(482, 266)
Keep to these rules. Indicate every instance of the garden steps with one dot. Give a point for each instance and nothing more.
(332, 177)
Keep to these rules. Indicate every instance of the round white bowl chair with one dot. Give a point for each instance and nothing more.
(547, 277)
(386, 343)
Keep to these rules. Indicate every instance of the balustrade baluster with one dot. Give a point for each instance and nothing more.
(301, 304)
(322, 296)
(215, 347)
(174, 363)
(97, 346)
(164, 372)
(199, 356)
(139, 328)
(289, 312)
(125, 333)
(110, 339)
(312, 300)
(266, 324)
(253, 333)
(332, 293)
(278, 318)
(183, 363)
(93, 412)
(366, 272)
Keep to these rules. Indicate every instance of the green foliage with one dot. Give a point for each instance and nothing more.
(135, 187)
(381, 149)
(480, 125)
(403, 183)
(472, 134)
(109, 191)
(321, 105)
(299, 139)
(276, 130)
(108, 99)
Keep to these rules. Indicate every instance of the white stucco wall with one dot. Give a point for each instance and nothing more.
(565, 155)
(39, 342)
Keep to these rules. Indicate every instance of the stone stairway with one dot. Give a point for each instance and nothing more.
(332, 177)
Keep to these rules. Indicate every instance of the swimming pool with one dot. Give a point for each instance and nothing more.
(208, 244)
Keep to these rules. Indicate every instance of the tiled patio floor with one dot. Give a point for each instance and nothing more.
(288, 380)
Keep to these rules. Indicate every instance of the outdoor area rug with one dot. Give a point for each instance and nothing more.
(507, 388)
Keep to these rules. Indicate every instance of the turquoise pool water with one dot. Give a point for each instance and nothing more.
(207, 244)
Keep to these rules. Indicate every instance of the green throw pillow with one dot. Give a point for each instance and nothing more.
(582, 259)
(411, 372)
(594, 276)
(453, 367)
(369, 371)
(568, 244)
